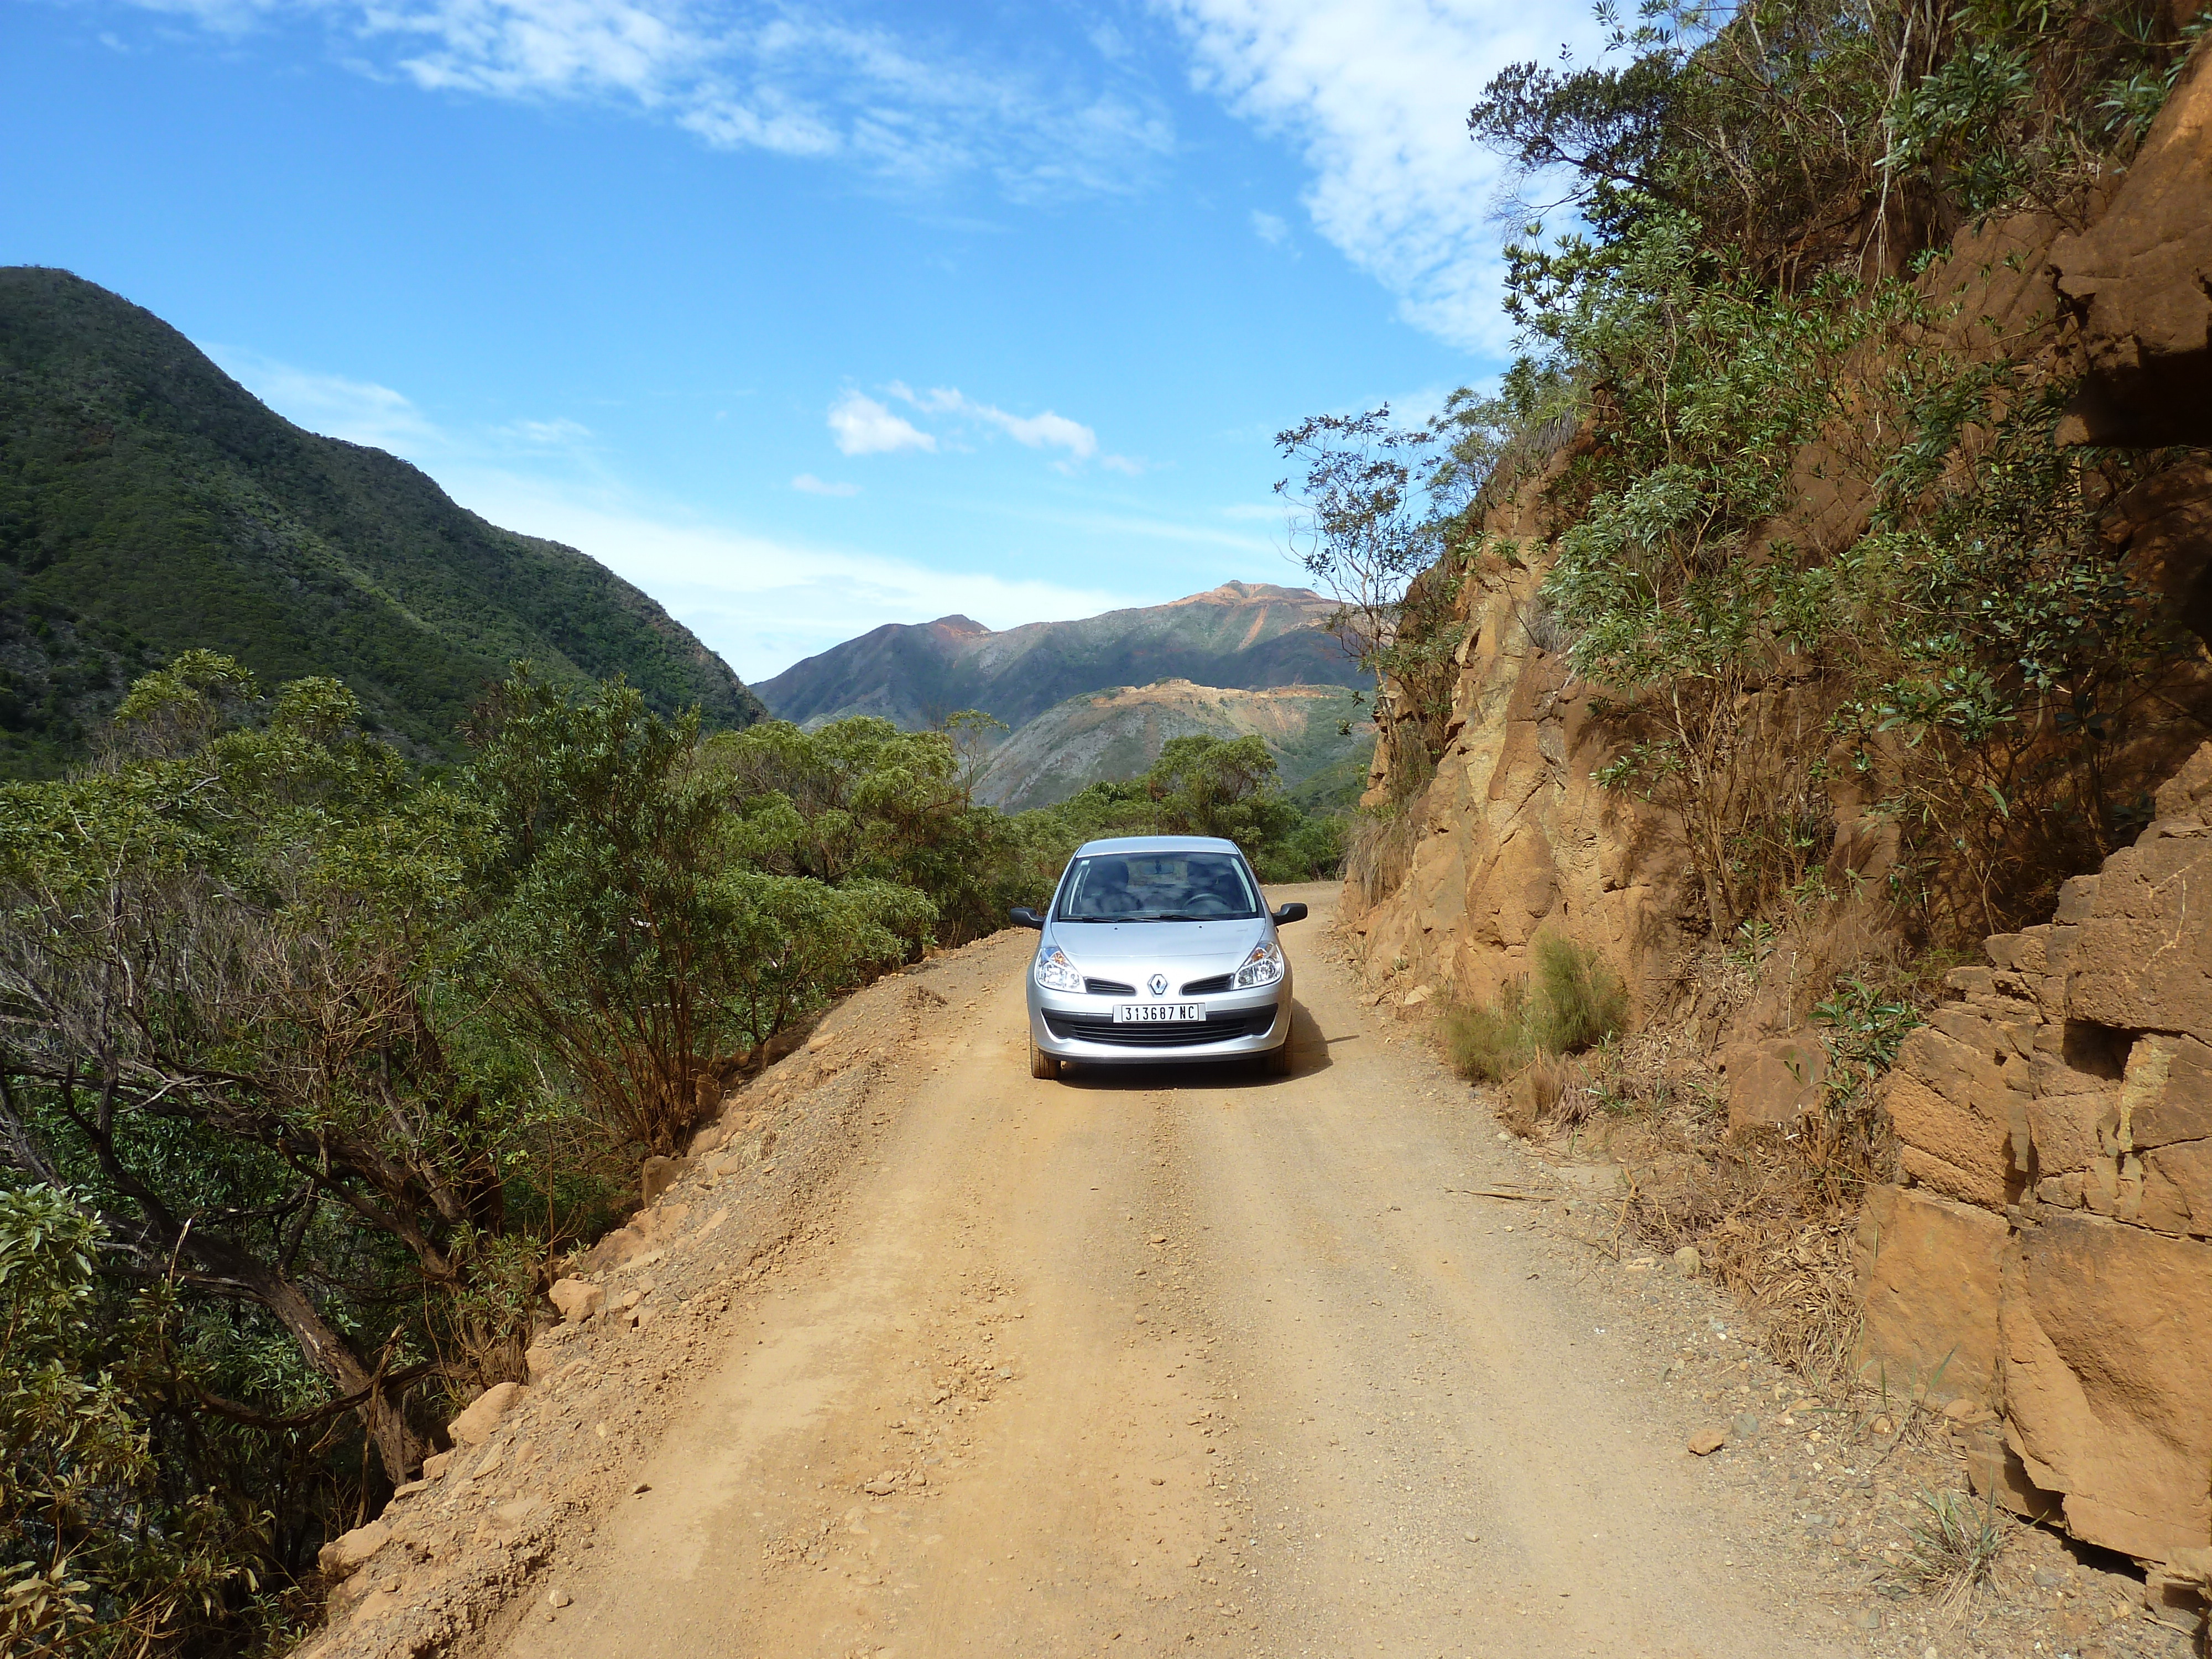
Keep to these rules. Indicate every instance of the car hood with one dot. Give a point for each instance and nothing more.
(1130, 949)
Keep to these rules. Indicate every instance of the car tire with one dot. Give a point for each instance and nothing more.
(1040, 1063)
(1277, 1061)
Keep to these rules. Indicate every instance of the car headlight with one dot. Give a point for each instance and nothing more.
(1056, 972)
(1263, 967)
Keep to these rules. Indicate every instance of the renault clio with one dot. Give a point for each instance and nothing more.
(1158, 948)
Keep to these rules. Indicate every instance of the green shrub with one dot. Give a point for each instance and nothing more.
(1579, 1001)
(1490, 1043)
(1576, 1002)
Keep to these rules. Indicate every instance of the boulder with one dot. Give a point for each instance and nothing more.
(474, 1426)
(2166, 1094)
(658, 1175)
(622, 1245)
(655, 1224)
(2176, 1189)
(343, 1556)
(2188, 792)
(2164, 1114)
(578, 1299)
(1771, 1084)
(1928, 1277)
(2143, 962)
(1951, 1103)
(2108, 1379)
(2140, 281)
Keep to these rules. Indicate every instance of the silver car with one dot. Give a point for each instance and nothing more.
(1158, 948)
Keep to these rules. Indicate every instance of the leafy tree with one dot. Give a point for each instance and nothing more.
(1807, 136)
(644, 930)
(92, 1559)
(1203, 785)
(222, 979)
(860, 799)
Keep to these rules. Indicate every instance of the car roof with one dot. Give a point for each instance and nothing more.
(1157, 844)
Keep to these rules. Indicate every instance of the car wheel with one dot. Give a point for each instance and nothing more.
(1040, 1063)
(1278, 1062)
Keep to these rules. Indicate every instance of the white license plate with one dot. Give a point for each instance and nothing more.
(1157, 1013)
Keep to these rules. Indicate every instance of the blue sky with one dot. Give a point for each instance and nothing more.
(804, 317)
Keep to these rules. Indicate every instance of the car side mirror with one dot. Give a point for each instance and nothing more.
(1023, 916)
(1290, 913)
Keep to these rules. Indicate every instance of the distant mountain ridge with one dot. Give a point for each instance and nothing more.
(1240, 636)
(1320, 735)
(150, 504)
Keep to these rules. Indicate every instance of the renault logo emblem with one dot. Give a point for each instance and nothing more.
(1157, 985)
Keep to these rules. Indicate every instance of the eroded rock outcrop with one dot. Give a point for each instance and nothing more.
(2047, 1246)
(1513, 833)
(2057, 1125)
(2140, 281)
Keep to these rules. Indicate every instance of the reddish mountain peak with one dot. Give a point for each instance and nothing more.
(1236, 593)
(955, 623)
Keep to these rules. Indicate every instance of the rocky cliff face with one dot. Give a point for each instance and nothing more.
(1512, 833)
(2055, 1121)
(2047, 1246)
(2050, 1245)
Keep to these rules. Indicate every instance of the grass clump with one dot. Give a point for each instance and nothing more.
(1579, 1000)
(1575, 1001)
(1955, 1550)
(1488, 1043)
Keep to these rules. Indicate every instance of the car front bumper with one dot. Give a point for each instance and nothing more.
(1069, 1025)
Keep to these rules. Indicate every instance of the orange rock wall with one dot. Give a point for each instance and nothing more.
(1512, 834)
(2056, 1118)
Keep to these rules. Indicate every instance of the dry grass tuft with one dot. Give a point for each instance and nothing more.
(1488, 1044)
(1955, 1551)
(1577, 1001)
(1380, 850)
(1773, 1216)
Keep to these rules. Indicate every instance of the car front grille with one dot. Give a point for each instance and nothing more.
(1108, 987)
(1215, 1028)
(1200, 987)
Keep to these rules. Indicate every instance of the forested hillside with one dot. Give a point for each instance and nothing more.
(150, 505)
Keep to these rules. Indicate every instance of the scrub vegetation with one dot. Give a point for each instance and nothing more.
(1763, 196)
(312, 1060)
(1575, 1001)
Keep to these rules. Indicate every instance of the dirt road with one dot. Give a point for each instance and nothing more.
(1193, 1361)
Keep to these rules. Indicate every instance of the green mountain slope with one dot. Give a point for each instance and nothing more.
(1119, 733)
(150, 504)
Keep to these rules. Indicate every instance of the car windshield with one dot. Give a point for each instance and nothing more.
(1158, 887)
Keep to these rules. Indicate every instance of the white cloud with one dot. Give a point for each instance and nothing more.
(561, 431)
(791, 78)
(1376, 96)
(864, 427)
(359, 411)
(1043, 431)
(1269, 228)
(1128, 465)
(762, 603)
